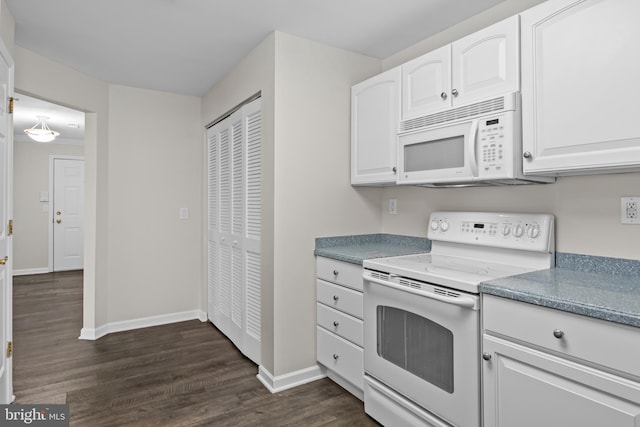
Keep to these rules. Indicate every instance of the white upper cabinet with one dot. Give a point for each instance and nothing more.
(481, 65)
(375, 111)
(580, 82)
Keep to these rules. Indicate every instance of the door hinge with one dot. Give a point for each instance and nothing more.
(9, 349)
(10, 227)
(11, 104)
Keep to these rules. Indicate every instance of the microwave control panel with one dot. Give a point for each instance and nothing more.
(494, 145)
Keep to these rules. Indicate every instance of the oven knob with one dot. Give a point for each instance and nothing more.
(518, 230)
(444, 225)
(534, 232)
(506, 229)
(434, 225)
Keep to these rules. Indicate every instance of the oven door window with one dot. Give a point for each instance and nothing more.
(417, 345)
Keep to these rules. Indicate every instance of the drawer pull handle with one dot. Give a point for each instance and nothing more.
(335, 356)
(335, 323)
(336, 298)
(558, 333)
(486, 356)
(335, 272)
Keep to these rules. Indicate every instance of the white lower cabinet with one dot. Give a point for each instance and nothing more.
(538, 368)
(339, 323)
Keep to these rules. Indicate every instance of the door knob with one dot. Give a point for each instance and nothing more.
(4, 260)
(58, 220)
(58, 213)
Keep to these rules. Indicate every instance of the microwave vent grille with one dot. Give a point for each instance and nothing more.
(488, 106)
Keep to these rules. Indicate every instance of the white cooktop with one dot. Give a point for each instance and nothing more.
(472, 247)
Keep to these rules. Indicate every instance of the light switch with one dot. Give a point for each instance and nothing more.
(44, 196)
(184, 213)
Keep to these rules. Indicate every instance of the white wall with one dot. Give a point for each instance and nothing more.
(587, 208)
(31, 176)
(155, 258)
(46, 79)
(306, 193)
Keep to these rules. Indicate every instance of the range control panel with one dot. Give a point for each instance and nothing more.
(534, 232)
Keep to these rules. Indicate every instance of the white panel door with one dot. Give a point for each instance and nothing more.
(580, 83)
(6, 185)
(486, 63)
(68, 217)
(426, 84)
(234, 227)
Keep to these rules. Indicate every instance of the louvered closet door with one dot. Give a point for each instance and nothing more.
(253, 227)
(234, 228)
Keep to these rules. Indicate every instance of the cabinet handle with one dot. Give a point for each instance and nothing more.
(454, 92)
(335, 323)
(443, 95)
(335, 356)
(526, 155)
(336, 298)
(335, 272)
(395, 169)
(486, 356)
(558, 333)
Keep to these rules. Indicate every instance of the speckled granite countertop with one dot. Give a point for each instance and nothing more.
(355, 249)
(599, 287)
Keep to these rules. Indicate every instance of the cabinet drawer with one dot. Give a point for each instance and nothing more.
(340, 298)
(348, 327)
(605, 343)
(341, 356)
(340, 272)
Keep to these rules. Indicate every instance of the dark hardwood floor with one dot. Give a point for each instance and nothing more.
(183, 374)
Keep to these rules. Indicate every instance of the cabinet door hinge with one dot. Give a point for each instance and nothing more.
(10, 227)
(11, 105)
(9, 349)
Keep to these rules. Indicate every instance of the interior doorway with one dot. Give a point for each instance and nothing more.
(34, 211)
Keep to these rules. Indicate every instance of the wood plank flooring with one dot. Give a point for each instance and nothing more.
(183, 374)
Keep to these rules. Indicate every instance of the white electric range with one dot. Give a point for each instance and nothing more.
(422, 314)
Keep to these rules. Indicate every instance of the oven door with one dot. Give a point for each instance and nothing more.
(425, 346)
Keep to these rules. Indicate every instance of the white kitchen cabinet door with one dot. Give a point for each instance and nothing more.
(375, 111)
(527, 388)
(426, 84)
(234, 206)
(486, 64)
(580, 83)
(479, 66)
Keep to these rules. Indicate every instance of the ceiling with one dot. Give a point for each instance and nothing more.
(186, 46)
(27, 109)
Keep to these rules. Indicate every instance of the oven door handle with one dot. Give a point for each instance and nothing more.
(461, 301)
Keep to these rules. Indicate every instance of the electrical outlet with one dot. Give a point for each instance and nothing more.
(629, 210)
(393, 206)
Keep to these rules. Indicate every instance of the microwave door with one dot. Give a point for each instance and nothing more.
(443, 154)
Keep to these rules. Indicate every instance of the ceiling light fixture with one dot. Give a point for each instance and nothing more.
(42, 133)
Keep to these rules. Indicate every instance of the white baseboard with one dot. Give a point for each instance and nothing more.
(144, 322)
(290, 380)
(27, 271)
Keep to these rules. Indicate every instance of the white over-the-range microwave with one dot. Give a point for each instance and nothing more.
(476, 144)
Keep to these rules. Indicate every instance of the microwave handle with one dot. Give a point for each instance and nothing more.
(473, 138)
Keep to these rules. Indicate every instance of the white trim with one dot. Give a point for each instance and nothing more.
(143, 322)
(290, 380)
(27, 271)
